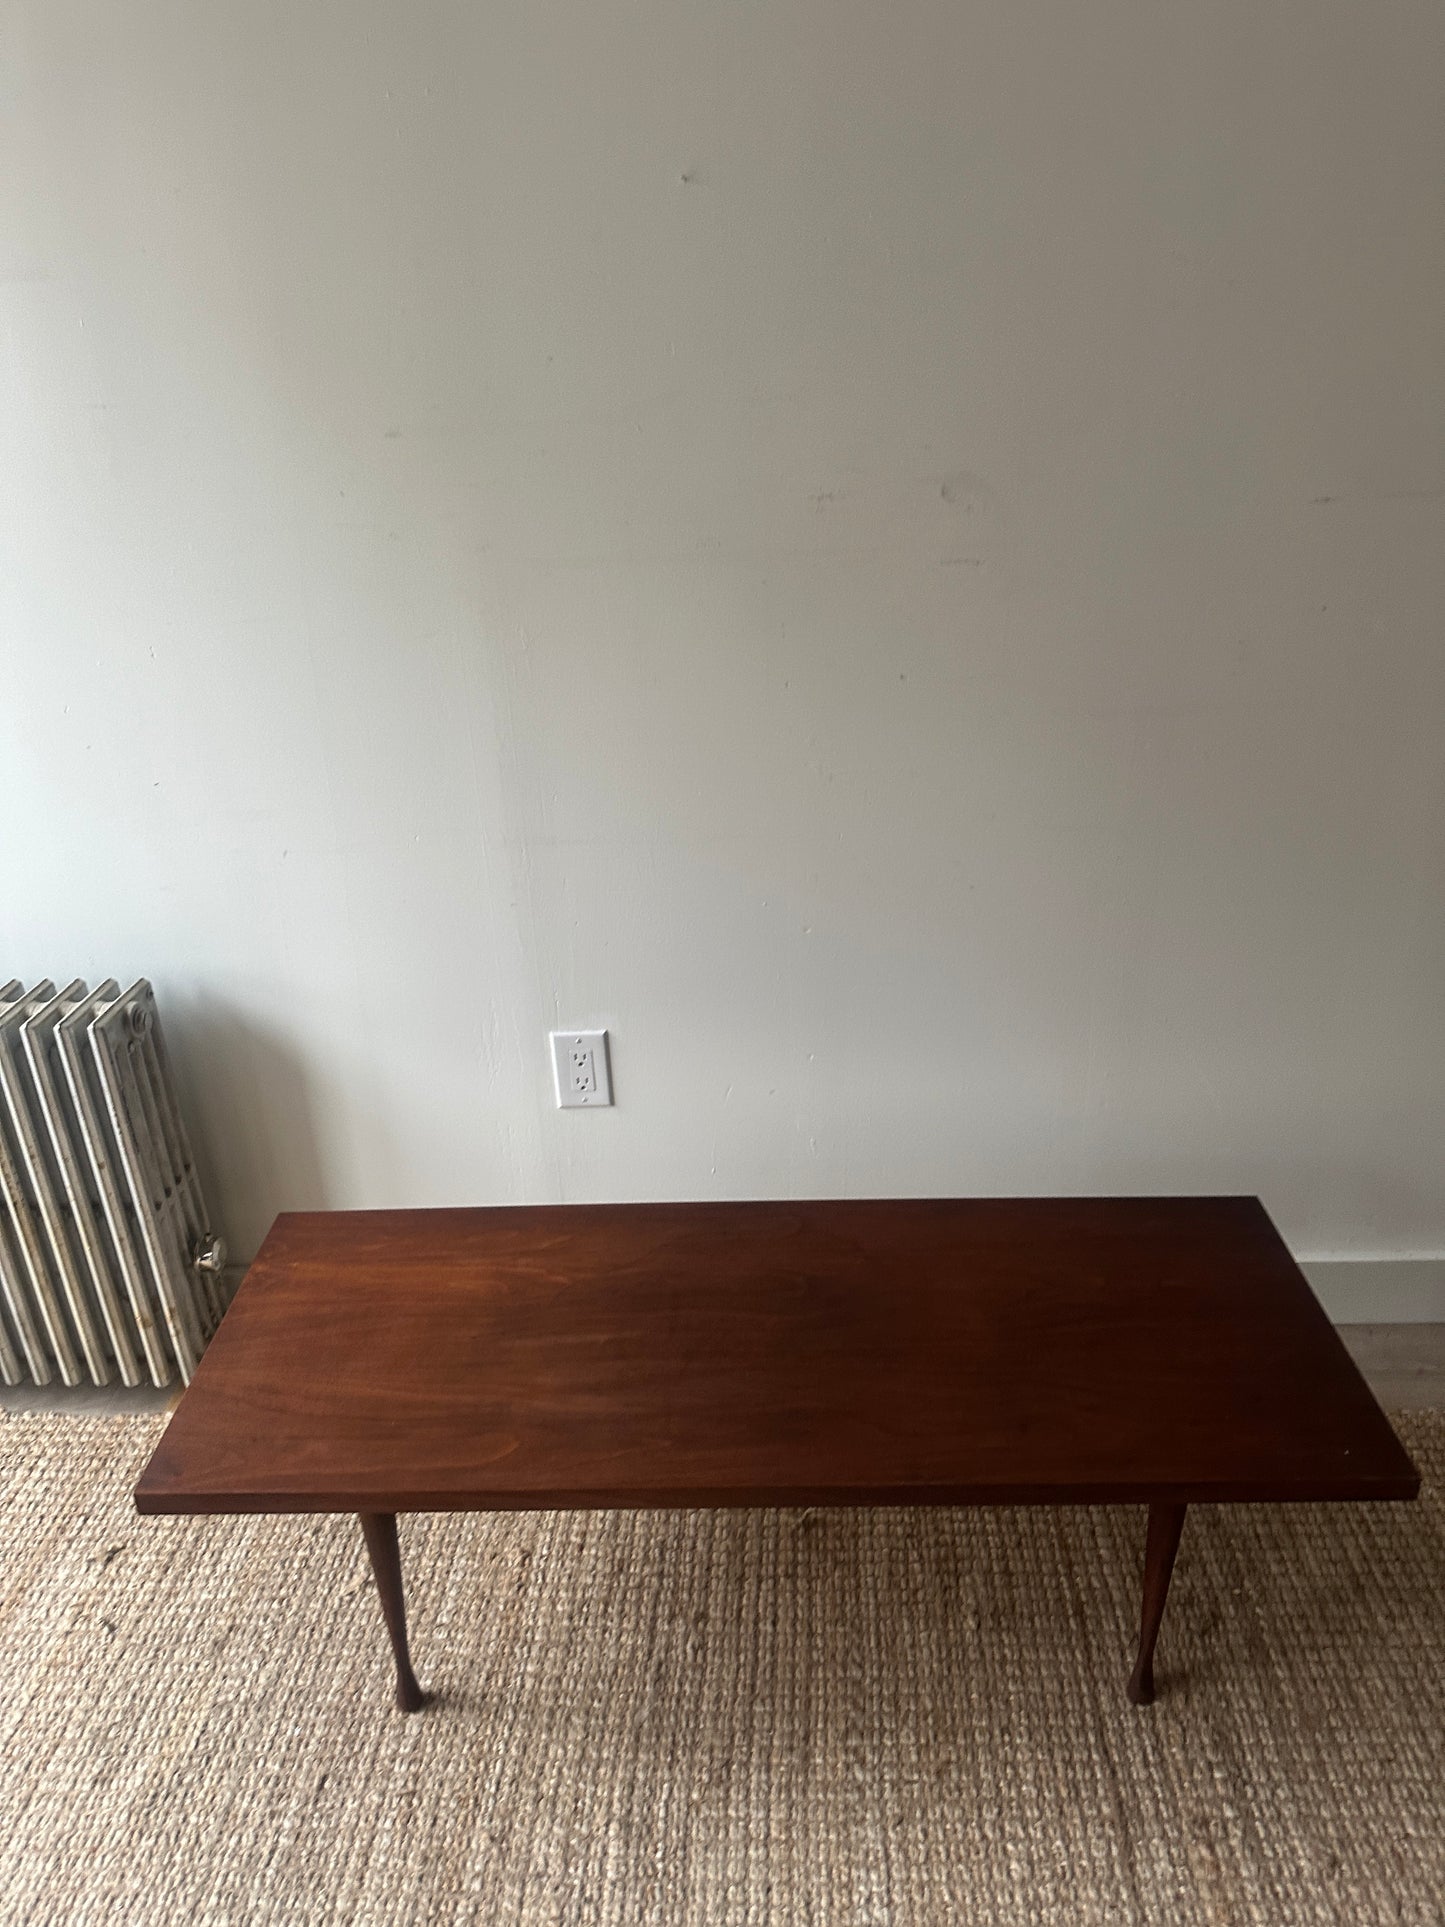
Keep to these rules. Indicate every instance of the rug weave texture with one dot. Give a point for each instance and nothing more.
(740, 1717)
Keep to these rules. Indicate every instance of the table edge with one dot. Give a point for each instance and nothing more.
(159, 1501)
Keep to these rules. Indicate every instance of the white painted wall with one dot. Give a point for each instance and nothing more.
(894, 556)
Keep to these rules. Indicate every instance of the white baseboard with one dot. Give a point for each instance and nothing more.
(1379, 1291)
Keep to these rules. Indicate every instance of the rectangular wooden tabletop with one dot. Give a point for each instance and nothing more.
(892, 1352)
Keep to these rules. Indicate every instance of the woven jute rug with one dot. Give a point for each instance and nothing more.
(910, 1717)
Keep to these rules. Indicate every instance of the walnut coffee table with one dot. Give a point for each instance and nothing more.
(1159, 1351)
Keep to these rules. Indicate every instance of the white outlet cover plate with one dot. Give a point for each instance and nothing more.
(581, 1072)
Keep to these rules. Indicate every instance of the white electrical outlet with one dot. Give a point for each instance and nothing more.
(580, 1068)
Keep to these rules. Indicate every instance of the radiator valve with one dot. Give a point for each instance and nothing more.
(210, 1254)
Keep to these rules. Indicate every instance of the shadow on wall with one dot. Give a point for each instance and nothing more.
(247, 1101)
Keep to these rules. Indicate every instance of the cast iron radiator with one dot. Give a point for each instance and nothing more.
(108, 1266)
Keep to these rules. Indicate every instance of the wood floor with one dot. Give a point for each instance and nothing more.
(1405, 1364)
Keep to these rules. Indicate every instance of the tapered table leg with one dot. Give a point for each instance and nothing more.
(379, 1529)
(1166, 1522)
